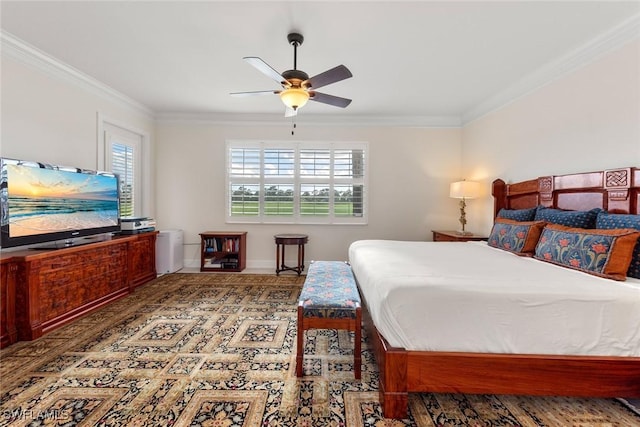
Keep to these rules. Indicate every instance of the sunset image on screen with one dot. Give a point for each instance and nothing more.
(44, 200)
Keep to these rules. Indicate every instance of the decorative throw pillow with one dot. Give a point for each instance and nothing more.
(519, 237)
(610, 221)
(605, 253)
(576, 219)
(518, 214)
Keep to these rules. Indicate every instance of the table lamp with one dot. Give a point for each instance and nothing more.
(464, 190)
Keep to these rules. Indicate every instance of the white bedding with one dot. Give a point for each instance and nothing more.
(470, 297)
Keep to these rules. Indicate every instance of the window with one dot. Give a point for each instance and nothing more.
(122, 164)
(123, 157)
(299, 182)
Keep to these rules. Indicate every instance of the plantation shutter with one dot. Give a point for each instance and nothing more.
(244, 182)
(278, 172)
(296, 182)
(315, 183)
(349, 173)
(122, 165)
(124, 158)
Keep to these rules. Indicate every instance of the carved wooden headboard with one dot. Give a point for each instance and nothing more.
(615, 190)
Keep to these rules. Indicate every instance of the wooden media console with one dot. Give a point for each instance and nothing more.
(45, 289)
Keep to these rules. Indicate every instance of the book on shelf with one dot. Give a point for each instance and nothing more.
(213, 263)
(222, 244)
(230, 265)
(230, 262)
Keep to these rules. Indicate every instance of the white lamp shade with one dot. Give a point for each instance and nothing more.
(464, 190)
(294, 98)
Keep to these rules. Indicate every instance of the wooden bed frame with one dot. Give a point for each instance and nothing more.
(404, 371)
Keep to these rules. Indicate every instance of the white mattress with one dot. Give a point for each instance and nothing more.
(470, 297)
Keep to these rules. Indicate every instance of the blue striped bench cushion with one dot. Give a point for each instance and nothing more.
(329, 291)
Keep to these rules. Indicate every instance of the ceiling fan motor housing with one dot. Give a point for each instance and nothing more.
(295, 39)
(295, 77)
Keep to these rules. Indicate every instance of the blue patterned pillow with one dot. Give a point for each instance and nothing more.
(518, 214)
(519, 237)
(605, 253)
(608, 221)
(575, 219)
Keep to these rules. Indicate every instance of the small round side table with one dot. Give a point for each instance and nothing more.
(290, 239)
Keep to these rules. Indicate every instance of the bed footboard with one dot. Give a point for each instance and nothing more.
(523, 374)
(392, 366)
(402, 372)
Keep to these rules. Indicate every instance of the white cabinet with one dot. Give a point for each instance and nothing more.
(169, 251)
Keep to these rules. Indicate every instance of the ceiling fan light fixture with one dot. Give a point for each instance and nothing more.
(294, 97)
(297, 87)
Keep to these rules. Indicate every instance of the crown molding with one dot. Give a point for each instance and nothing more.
(607, 42)
(17, 49)
(31, 56)
(625, 32)
(245, 119)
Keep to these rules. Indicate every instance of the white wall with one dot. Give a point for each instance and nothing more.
(52, 117)
(587, 120)
(55, 120)
(410, 172)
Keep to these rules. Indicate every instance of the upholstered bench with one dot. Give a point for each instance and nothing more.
(330, 300)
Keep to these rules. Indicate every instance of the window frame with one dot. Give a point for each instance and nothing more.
(107, 127)
(296, 181)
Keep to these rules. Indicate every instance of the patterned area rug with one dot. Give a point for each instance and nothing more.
(219, 350)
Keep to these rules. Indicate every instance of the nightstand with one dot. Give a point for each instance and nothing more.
(454, 236)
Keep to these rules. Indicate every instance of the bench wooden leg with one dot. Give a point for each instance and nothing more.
(357, 345)
(300, 343)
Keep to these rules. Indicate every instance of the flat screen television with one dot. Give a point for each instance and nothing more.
(44, 203)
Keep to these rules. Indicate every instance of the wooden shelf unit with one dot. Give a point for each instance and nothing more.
(223, 251)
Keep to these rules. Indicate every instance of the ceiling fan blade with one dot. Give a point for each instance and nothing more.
(290, 112)
(336, 101)
(330, 76)
(257, 92)
(264, 68)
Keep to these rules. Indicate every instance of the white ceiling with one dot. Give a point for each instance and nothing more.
(408, 59)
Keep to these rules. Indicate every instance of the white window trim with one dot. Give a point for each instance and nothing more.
(145, 189)
(296, 218)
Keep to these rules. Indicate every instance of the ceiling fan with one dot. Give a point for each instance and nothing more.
(297, 87)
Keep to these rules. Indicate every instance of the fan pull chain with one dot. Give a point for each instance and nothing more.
(293, 123)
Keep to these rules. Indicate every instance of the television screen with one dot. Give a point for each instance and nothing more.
(42, 203)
